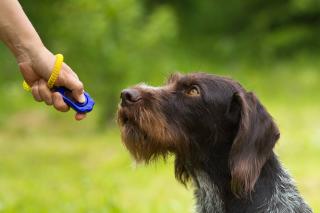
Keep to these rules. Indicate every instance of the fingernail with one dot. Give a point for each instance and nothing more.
(82, 98)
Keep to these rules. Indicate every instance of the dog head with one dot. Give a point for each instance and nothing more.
(193, 114)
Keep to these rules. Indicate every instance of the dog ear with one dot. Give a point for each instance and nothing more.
(253, 143)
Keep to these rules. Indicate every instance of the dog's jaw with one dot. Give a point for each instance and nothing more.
(145, 130)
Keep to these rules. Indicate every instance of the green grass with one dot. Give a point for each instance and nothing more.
(61, 169)
(92, 173)
(48, 163)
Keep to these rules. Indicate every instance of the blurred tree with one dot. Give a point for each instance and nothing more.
(112, 44)
(108, 43)
(265, 28)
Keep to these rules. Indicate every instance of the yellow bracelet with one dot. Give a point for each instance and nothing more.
(56, 70)
(25, 86)
(54, 74)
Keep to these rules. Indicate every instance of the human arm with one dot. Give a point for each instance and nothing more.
(34, 59)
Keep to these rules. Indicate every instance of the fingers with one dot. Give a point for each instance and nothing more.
(80, 116)
(44, 92)
(70, 80)
(58, 102)
(41, 92)
(35, 92)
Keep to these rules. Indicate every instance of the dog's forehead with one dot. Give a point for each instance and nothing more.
(177, 78)
(147, 87)
(174, 77)
(208, 82)
(201, 78)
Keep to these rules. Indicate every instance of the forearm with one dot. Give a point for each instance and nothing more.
(16, 31)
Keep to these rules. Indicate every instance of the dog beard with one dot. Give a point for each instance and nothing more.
(145, 134)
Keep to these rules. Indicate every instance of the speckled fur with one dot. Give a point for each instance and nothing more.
(285, 197)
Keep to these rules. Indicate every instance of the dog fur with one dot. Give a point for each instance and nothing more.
(222, 138)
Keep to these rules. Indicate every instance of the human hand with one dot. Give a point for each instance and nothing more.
(36, 67)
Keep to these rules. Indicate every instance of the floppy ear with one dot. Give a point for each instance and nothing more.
(253, 144)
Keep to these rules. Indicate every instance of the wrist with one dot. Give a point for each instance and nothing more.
(23, 45)
(28, 49)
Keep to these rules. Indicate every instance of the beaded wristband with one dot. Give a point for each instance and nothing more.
(55, 71)
(54, 74)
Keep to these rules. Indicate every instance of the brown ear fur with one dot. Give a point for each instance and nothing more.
(253, 144)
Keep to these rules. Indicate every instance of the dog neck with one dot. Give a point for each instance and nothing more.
(207, 193)
(210, 176)
(274, 189)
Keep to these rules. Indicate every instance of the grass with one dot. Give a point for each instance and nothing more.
(48, 163)
(60, 169)
(81, 173)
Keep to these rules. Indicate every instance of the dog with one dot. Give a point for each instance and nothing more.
(222, 138)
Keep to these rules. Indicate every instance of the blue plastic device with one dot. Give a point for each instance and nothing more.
(85, 107)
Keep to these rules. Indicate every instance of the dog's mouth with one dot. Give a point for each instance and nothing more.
(128, 121)
(130, 129)
(145, 132)
(124, 117)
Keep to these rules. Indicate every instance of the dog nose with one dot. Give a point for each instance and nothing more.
(130, 96)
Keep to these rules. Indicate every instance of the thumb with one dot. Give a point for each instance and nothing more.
(70, 80)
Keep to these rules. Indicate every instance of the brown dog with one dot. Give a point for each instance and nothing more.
(222, 138)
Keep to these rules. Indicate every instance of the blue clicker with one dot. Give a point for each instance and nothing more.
(85, 107)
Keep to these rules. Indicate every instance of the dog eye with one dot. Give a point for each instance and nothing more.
(193, 91)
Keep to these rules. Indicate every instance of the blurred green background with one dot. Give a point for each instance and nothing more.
(50, 163)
